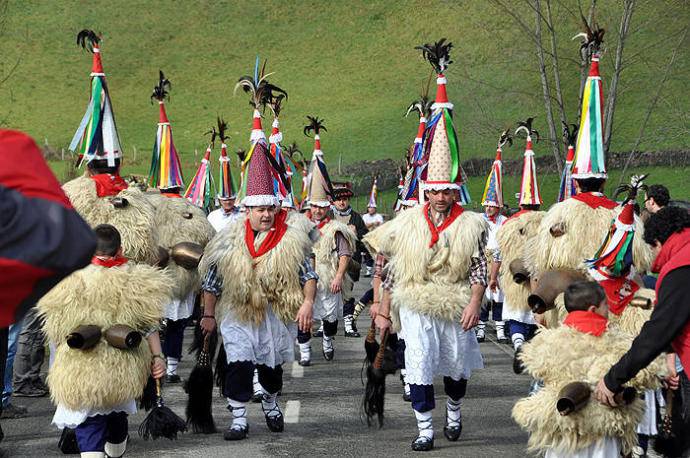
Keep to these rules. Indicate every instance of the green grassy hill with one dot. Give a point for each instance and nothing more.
(352, 63)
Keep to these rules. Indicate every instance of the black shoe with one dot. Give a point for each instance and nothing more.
(518, 367)
(406, 397)
(30, 392)
(304, 362)
(236, 434)
(13, 411)
(256, 397)
(275, 423)
(318, 333)
(172, 378)
(422, 444)
(328, 355)
(352, 333)
(452, 433)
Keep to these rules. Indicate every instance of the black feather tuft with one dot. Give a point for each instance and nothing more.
(526, 127)
(570, 134)
(87, 39)
(438, 54)
(592, 38)
(505, 138)
(162, 89)
(315, 125)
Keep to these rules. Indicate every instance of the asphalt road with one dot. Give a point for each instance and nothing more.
(321, 404)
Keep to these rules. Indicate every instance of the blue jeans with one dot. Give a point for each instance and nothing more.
(13, 335)
(99, 429)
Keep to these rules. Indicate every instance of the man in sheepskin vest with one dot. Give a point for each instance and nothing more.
(437, 276)
(96, 374)
(258, 281)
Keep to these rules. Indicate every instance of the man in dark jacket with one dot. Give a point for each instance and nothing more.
(344, 213)
(668, 231)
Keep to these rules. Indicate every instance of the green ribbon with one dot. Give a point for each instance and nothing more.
(453, 145)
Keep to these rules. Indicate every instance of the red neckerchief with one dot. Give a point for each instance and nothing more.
(108, 185)
(515, 215)
(674, 253)
(109, 261)
(171, 195)
(323, 222)
(274, 236)
(455, 211)
(595, 200)
(586, 322)
(492, 218)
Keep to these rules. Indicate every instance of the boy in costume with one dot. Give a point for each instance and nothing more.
(94, 387)
(587, 347)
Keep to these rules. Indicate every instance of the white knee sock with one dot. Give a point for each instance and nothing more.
(453, 414)
(424, 424)
(172, 366)
(269, 404)
(115, 450)
(500, 330)
(257, 386)
(518, 339)
(305, 351)
(327, 343)
(239, 413)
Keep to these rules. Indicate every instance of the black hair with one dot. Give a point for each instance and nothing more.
(101, 166)
(664, 223)
(108, 240)
(171, 190)
(582, 295)
(591, 184)
(534, 207)
(659, 193)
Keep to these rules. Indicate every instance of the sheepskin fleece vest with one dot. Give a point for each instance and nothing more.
(433, 281)
(250, 285)
(584, 229)
(103, 376)
(586, 358)
(176, 221)
(326, 252)
(134, 222)
(512, 237)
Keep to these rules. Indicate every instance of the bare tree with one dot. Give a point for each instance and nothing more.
(628, 8)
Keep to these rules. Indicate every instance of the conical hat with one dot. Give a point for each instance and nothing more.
(166, 170)
(318, 183)
(529, 189)
(590, 161)
(259, 190)
(373, 194)
(493, 190)
(226, 185)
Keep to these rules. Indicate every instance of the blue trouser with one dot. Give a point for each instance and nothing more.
(12, 338)
(95, 431)
(174, 333)
(330, 328)
(422, 396)
(400, 354)
(496, 311)
(239, 378)
(518, 327)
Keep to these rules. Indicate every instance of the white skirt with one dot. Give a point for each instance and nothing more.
(647, 425)
(523, 316)
(67, 418)
(327, 306)
(179, 309)
(437, 347)
(607, 447)
(269, 343)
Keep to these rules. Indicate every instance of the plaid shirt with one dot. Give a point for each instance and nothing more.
(380, 270)
(213, 282)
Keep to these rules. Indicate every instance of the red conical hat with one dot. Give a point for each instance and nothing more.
(97, 66)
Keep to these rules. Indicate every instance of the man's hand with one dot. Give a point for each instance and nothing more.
(305, 316)
(337, 284)
(539, 319)
(604, 395)
(493, 284)
(672, 381)
(207, 324)
(157, 367)
(374, 310)
(470, 316)
(382, 322)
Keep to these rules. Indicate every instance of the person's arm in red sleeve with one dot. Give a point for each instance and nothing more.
(42, 238)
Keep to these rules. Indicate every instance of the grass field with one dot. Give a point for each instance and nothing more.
(352, 63)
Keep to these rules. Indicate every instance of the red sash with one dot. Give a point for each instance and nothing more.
(586, 322)
(109, 261)
(455, 211)
(274, 236)
(323, 223)
(171, 195)
(108, 185)
(595, 200)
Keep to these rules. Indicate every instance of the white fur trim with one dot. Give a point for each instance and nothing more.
(277, 138)
(586, 175)
(97, 74)
(320, 203)
(317, 152)
(409, 203)
(261, 201)
(439, 186)
(257, 135)
(418, 140)
(442, 105)
(441, 80)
